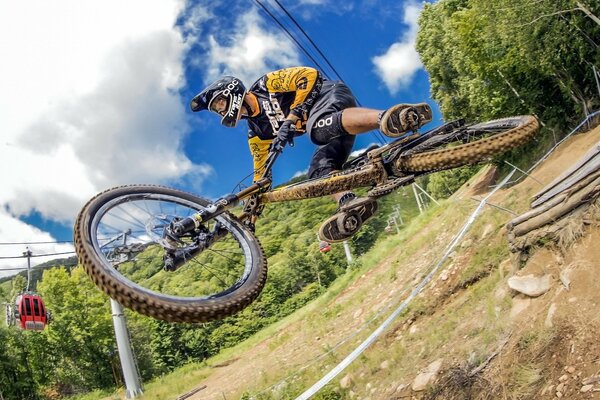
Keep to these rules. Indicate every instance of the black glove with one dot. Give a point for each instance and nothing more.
(285, 135)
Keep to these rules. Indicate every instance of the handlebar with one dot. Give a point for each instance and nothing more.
(271, 157)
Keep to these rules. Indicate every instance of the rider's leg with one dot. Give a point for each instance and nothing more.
(393, 122)
(356, 120)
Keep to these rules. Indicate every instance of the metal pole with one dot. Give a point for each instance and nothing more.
(347, 251)
(418, 199)
(396, 225)
(132, 379)
(596, 75)
(426, 194)
(27, 254)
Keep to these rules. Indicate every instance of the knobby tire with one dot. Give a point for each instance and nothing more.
(166, 307)
(505, 134)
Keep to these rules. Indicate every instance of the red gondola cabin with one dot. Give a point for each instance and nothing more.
(324, 247)
(31, 311)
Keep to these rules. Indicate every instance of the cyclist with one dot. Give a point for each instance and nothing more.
(290, 102)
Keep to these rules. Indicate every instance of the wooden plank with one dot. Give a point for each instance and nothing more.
(585, 195)
(590, 168)
(582, 162)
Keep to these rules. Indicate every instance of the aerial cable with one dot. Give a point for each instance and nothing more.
(377, 133)
(309, 39)
(290, 35)
(27, 243)
(37, 255)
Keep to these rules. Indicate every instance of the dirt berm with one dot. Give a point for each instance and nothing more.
(477, 338)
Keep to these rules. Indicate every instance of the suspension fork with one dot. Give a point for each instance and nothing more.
(217, 208)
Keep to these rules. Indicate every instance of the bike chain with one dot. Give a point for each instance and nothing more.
(390, 186)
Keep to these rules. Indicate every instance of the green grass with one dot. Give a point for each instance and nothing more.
(414, 351)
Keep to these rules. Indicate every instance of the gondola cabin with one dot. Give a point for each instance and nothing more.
(31, 312)
(324, 247)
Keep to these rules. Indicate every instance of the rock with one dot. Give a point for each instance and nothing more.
(401, 387)
(564, 278)
(357, 313)
(466, 243)
(346, 382)
(586, 388)
(427, 376)
(518, 306)
(384, 365)
(489, 228)
(547, 389)
(551, 311)
(592, 379)
(563, 378)
(413, 329)
(570, 369)
(530, 285)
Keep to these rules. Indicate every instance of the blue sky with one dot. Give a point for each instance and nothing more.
(95, 94)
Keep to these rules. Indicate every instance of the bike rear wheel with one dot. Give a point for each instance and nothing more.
(469, 145)
(121, 241)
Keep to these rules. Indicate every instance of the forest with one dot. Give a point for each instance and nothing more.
(485, 60)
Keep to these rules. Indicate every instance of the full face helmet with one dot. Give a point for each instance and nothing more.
(224, 97)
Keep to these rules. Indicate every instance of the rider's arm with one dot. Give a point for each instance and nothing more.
(259, 148)
(306, 82)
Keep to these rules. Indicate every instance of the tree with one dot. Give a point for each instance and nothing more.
(491, 60)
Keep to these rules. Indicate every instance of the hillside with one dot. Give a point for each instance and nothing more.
(489, 341)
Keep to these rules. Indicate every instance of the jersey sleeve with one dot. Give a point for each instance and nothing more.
(306, 82)
(259, 148)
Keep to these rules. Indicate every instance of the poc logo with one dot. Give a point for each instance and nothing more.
(230, 87)
(325, 122)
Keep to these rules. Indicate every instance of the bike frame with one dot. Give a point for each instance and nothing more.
(376, 171)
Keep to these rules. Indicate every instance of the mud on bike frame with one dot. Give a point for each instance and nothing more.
(374, 170)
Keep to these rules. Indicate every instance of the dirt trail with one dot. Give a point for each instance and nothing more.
(450, 321)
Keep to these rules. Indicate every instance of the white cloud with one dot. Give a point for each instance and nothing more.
(300, 173)
(89, 100)
(397, 66)
(249, 51)
(358, 152)
(15, 231)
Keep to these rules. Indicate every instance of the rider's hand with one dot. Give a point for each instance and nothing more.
(285, 135)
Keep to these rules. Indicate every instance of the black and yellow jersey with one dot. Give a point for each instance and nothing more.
(277, 95)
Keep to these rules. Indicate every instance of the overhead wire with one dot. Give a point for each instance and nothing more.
(309, 39)
(36, 255)
(274, 18)
(378, 134)
(28, 243)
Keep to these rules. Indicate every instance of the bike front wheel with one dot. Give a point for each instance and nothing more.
(122, 241)
(468, 145)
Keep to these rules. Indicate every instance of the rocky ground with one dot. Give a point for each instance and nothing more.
(488, 326)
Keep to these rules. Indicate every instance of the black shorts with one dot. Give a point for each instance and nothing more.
(324, 127)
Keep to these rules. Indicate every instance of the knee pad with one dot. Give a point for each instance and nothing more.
(327, 128)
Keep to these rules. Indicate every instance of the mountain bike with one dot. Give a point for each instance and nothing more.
(131, 238)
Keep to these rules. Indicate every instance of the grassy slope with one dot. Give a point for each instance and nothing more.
(462, 318)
